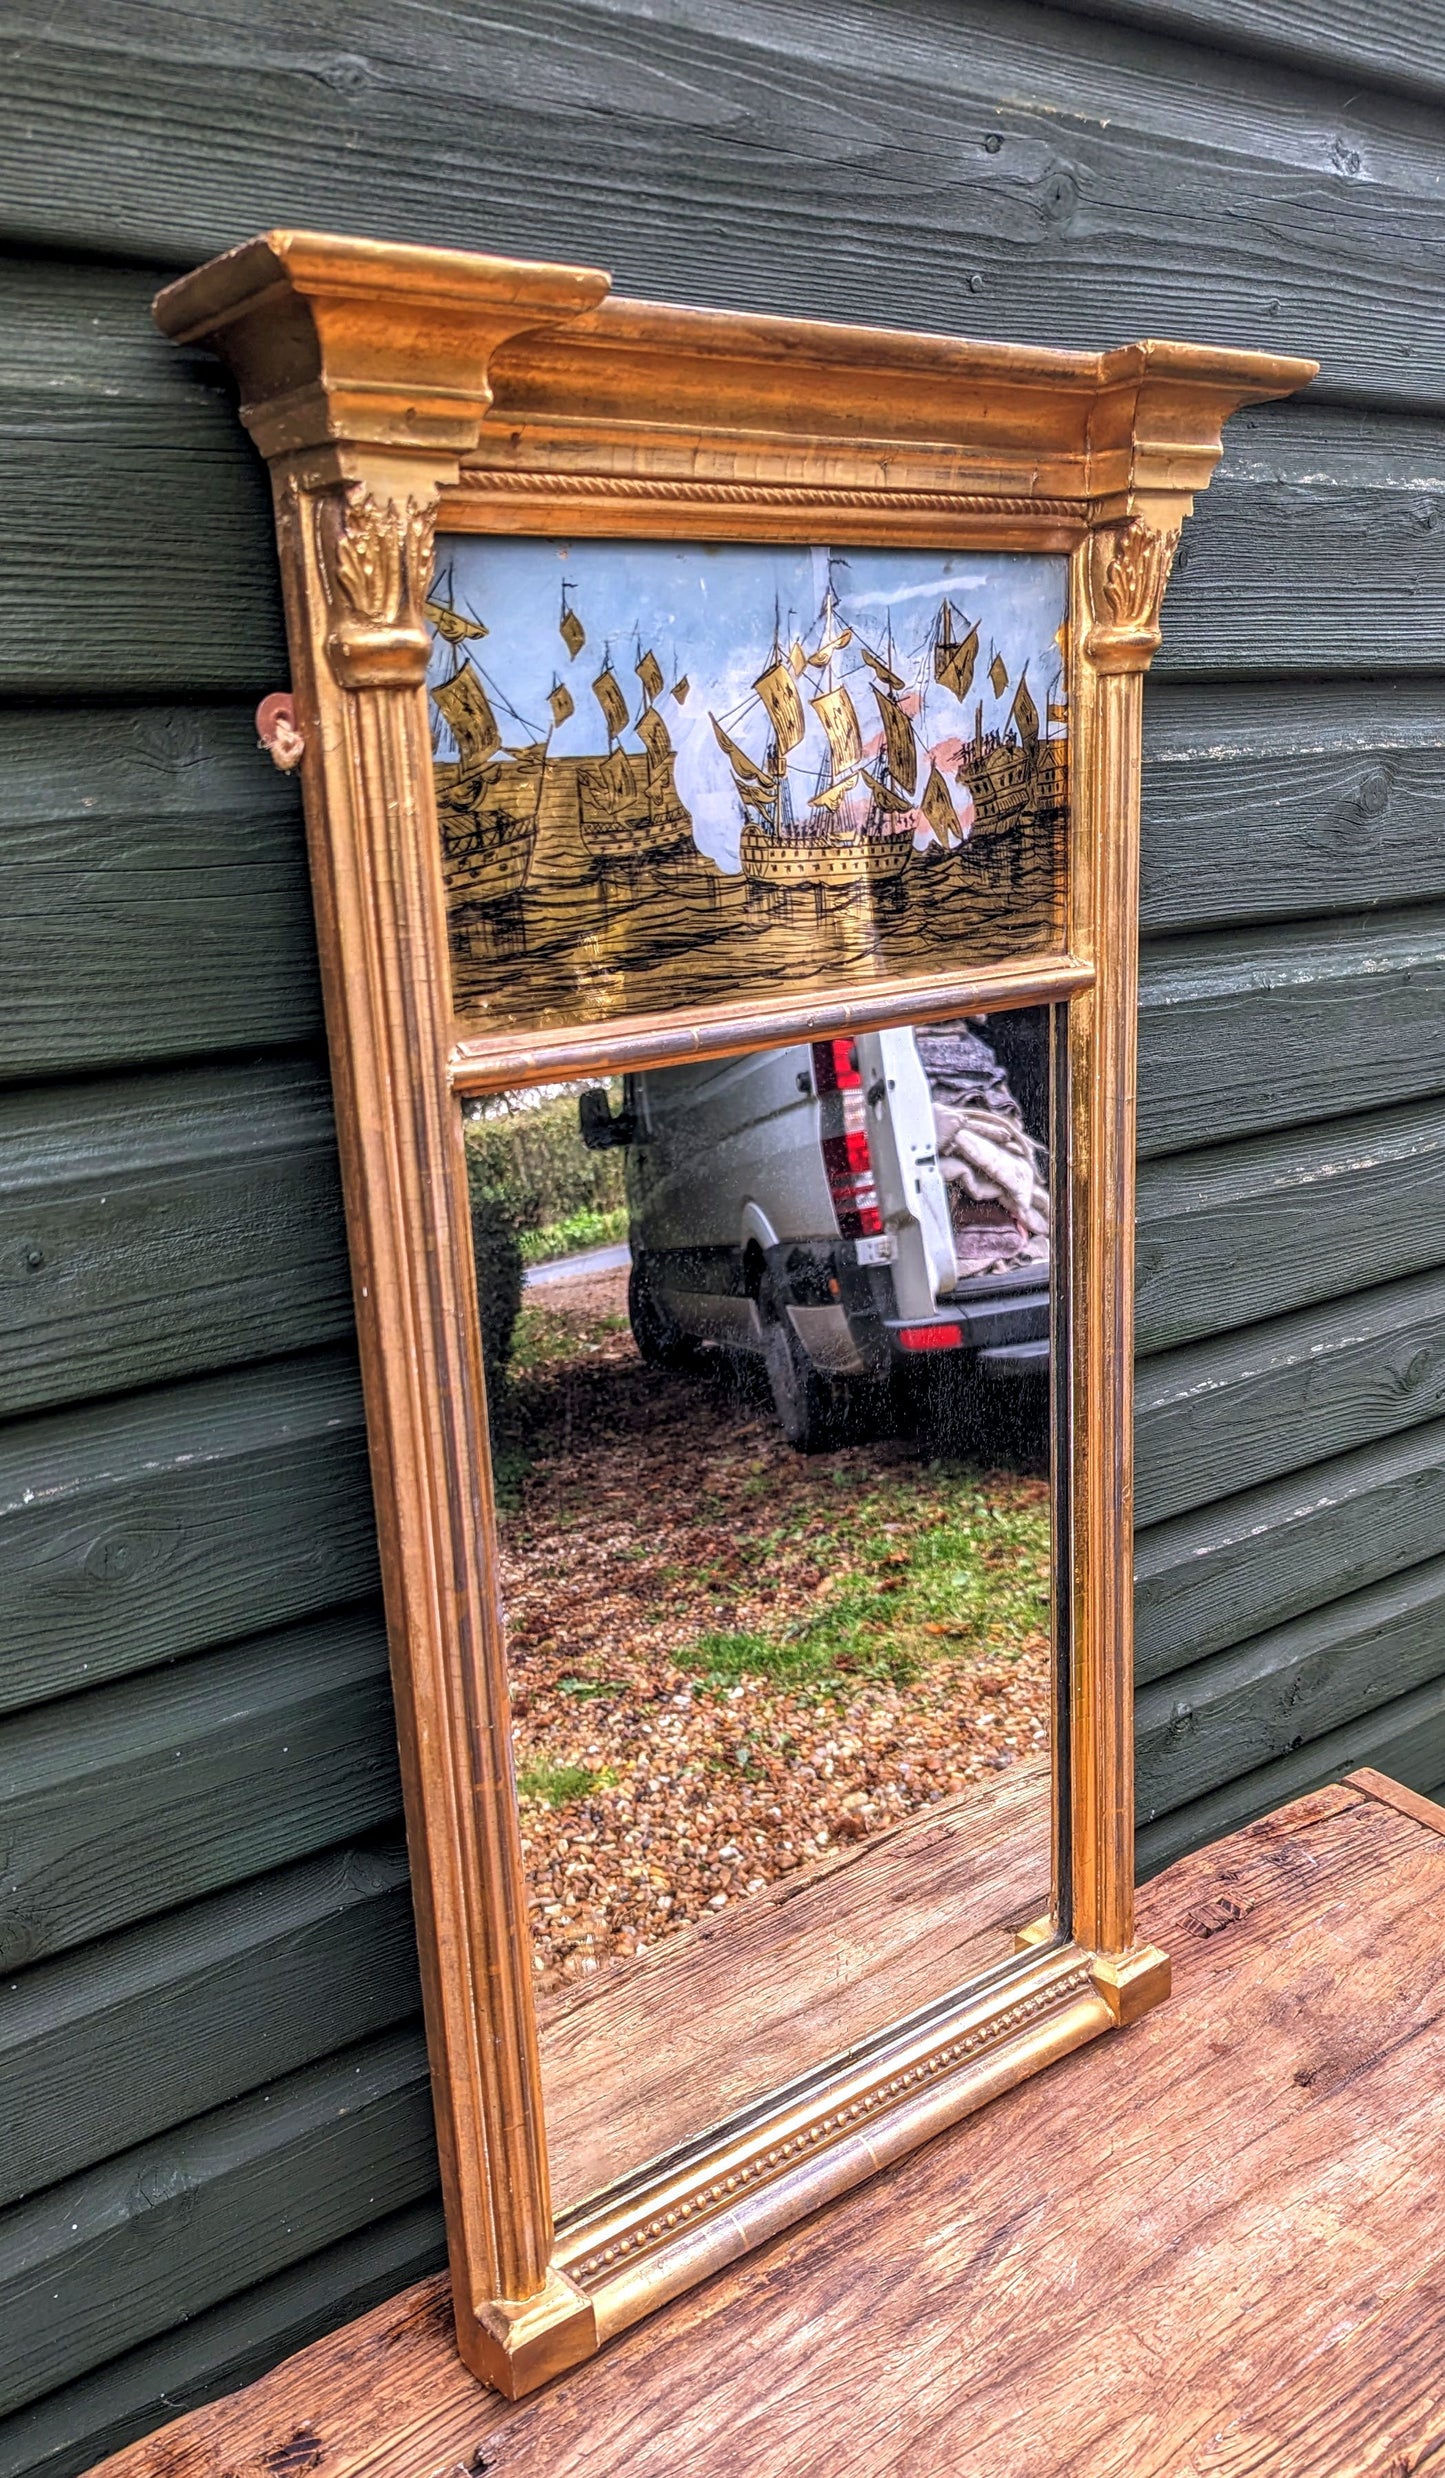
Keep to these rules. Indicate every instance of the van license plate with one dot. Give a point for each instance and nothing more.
(880, 1251)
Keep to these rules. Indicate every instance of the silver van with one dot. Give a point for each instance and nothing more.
(841, 1210)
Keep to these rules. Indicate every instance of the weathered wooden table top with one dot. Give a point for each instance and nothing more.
(1214, 2245)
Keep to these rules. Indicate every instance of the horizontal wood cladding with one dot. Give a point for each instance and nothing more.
(1405, 1739)
(156, 1226)
(158, 902)
(1210, 1578)
(106, 2261)
(159, 1523)
(1235, 1233)
(1222, 1415)
(1395, 47)
(156, 897)
(218, 2139)
(221, 2348)
(1317, 514)
(1074, 180)
(1265, 802)
(123, 1802)
(1249, 1029)
(1221, 1719)
(177, 2016)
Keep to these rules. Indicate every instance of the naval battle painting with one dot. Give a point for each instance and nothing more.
(673, 774)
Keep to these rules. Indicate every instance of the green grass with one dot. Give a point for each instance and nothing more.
(544, 1344)
(591, 1226)
(953, 1573)
(556, 1785)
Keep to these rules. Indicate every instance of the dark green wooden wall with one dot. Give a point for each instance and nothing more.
(216, 2135)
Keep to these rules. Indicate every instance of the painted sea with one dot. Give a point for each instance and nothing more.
(671, 774)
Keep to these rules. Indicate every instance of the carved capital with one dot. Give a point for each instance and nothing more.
(375, 558)
(1128, 569)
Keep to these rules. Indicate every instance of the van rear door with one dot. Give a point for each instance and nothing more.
(912, 1197)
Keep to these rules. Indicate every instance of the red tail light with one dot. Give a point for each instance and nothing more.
(930, 1337)
(846, 1158)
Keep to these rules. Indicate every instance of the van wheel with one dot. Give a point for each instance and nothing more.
(811, 1407)
(659, 1342)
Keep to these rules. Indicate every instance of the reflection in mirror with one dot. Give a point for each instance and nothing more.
(767, 1343)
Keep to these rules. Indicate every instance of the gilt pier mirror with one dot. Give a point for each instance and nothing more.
(720, 741)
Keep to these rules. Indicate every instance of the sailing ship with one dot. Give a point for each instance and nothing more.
(489, 797)
(1013, 775)
(628, 808)
(854, 827)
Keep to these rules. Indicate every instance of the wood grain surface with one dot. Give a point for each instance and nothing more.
(159, 1788)
(1259, 170)
(656, 2052)
(1130, 187)
(1236, 2215)
(179, 1517)
(178, 2015)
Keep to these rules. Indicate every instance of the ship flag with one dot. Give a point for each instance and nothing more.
(468, 711)
(901, 745)
(1024, 713)
(997, 675)
(559, 699)
(937, 806)
(652, 732)
(778, 691)
(608, 693)
(649, 672)
(837, 714)
(571, 630)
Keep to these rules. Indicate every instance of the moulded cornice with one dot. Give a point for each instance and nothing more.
(509, 368)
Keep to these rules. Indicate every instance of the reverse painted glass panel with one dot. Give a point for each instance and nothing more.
(669, 774)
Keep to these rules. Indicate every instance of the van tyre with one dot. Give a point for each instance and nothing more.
(811, 1407)
(660, 1342)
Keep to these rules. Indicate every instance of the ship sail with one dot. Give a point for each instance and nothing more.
(784, 706)
(879, 668)
(829, 647)
(468, 711)
(652, 732)
(902, 748)
(680, 689)
(560, 701)
(572, 632)
(1024, 714)
(608, 693)
(998, 675)
(894, 803)
(451, 625)
(937, 806)
(954, 657)
(746, 770)
(836, 712)
(649, 672)
(1058, 713)
(828, 795)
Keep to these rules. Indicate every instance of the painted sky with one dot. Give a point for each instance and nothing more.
(708, 611)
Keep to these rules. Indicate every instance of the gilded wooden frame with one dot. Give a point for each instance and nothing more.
(390, 388)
